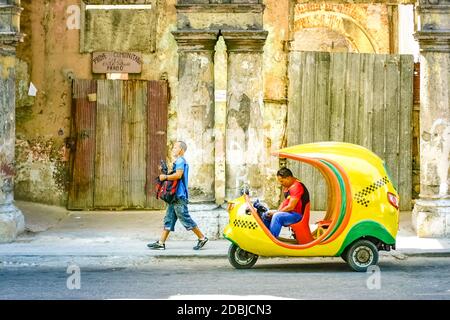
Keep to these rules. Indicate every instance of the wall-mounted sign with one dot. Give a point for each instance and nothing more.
(116, 62)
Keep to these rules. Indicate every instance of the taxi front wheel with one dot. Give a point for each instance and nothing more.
(241, 259)
(361, 254)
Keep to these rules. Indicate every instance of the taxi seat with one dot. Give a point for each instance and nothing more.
(301, 229)
(322, 226)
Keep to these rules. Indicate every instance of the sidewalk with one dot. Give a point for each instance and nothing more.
(56, 236)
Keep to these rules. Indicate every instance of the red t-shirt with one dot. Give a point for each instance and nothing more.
(295, 191)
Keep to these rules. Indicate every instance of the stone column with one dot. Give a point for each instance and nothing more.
(11, 219)
(431, 214)
(195, 111)
(245, 111)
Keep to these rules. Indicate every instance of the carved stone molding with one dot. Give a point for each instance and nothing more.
(10, 35)
(434, 2)
(439, 9)
(196, 40)
(220, 8)
(433, 41)
(219, 1)
(245, 40)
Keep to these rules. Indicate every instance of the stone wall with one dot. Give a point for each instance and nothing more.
(12, 220)
(431, 214)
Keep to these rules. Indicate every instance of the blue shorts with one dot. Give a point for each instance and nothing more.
(175, 211)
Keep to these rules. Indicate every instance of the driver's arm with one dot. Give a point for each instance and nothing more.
(290, 206)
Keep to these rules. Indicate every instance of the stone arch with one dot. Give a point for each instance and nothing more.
(336, 22)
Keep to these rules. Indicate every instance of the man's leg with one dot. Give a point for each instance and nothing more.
(169, 224)
(266, 219)
(280, 219)
(164, 236)
(198, 233)
(182, 212)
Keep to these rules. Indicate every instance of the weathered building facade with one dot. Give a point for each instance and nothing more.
(431, 214)
(11, 219)
(230, 68)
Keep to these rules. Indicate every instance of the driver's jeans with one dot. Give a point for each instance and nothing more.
(280, 219)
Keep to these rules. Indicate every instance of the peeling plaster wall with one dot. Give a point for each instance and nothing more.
(7, 169)
(435, 142)
(196, 113)
(244, 124)
(41, 170)
(220, 86)
(275, 64)
(49, 57)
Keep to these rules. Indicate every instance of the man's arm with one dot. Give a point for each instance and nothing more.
(174, 176)
(290, 206)
(287, 208)
(296, 193)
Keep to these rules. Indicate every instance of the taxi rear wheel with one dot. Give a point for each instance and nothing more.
(361, 254)
(241, 259)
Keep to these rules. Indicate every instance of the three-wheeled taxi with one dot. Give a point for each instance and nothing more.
(362, 215)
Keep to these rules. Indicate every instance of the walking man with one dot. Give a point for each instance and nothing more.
(178, 209)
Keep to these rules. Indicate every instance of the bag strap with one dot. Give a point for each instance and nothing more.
(182, 178)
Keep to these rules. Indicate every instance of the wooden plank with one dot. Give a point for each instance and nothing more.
(364, 136)
(298, 76)
(156, 136)
(392, 93)
(134, 137)
(81, 190)
(321, 122)
(378, 123)
(108, 159)
(352, 97)
(406, 109)
(294, 98)
(338, 67)
(365, 95)
(307, 125)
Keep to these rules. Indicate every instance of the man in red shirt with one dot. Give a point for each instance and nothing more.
(292, 208)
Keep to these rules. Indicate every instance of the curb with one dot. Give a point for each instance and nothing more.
(125, 260)
(431, 254)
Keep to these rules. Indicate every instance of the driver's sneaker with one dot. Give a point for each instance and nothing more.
(200, 243)
(157, 246)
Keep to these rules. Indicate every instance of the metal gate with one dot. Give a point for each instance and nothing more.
(365, 99)
(118, 138)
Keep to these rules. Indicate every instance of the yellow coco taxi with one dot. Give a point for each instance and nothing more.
(362, 213)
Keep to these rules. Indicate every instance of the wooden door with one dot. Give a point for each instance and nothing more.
(127, 121)
(364, 99)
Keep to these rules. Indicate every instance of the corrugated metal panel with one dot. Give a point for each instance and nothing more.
(157, 136)
(379, 106)
(358, 98)
(134, 143)
(81, 191)
(366, 101)
(392, 94)
(116, 158)
(405, 183)
(416, 83)
(108, 158)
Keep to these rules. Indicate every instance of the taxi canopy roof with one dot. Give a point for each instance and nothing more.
(340, 152)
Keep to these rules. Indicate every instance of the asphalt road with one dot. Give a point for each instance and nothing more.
(416, 278)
